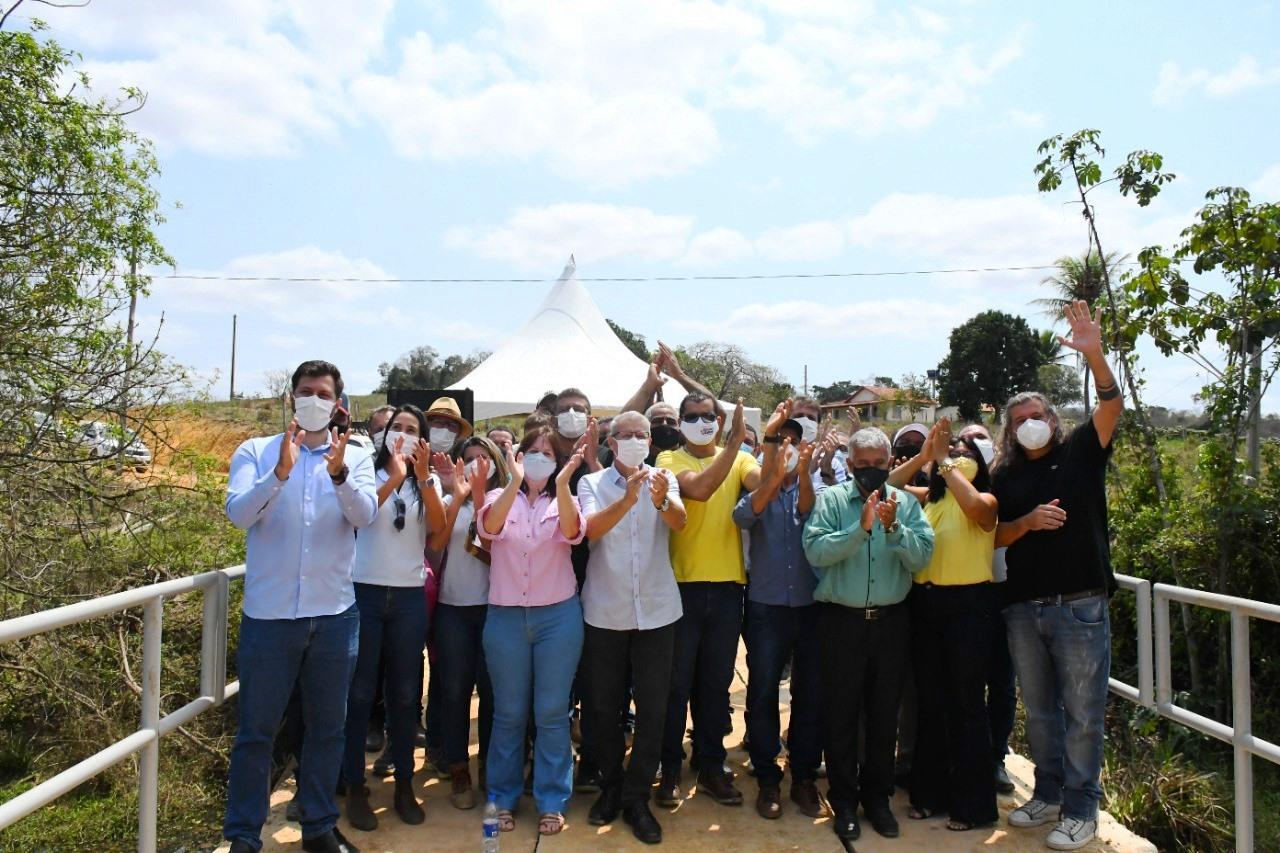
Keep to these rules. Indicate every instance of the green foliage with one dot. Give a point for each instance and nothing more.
(634, 342)
(422, 367)
(993, 356)
(728, 372)
(1059, 383)
(836, 391)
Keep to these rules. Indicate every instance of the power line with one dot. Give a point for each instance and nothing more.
(612, 279)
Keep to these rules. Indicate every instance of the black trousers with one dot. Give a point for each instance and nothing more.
(953, 771)
(863, 662)
(608, 658)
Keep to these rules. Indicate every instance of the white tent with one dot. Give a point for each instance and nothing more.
(565, 344)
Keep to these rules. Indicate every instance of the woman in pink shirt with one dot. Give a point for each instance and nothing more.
(533, 631)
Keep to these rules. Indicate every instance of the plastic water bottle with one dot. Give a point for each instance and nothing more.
(490, 825)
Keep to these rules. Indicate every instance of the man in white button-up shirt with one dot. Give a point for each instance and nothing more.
(630, 603)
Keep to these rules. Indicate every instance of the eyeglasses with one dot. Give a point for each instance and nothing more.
(663, 421)
(694, 417)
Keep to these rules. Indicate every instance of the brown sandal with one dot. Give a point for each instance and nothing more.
(550, 823)
(506, 821)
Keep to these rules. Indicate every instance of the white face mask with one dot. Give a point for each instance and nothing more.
(699, 432)
(378, 437)
(632, 451)
(538, 466)
(793, 458)
(313, 413)
(986, 448)
(469, 469)
(808, 428)
(401, 442)
(571, 424)
(1034, 434)
(442, 439)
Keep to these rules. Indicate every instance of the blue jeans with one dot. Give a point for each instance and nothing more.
(701, 672)
(777, 634)
(319, 653)
(1062, 654)
(460, 667)
(393, 626)
(532, 654)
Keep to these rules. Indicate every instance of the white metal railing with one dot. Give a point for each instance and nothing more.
(1154, 601)
(214, 688)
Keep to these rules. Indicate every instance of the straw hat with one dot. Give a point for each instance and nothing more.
(447, 407)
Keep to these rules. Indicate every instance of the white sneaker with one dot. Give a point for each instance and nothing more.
(1034, 813)
(1071, 833)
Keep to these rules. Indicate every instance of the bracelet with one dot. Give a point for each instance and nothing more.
(772, 439)
(666, 504)
(945, 467)
(341, 477)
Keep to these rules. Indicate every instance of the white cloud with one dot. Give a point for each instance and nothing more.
(717, 247)
(814, 241)
(540, 238)
(1267, 185)
(1175, 84)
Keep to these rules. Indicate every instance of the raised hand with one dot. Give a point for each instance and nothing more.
(566, 470)
(289, 449)
(887, 511)
(668, 359)
(397, 467)
(443, 466)
(938, 443)
(460, 488)
(1086, 328)
(591, 437)
(855, 418)
(1048, 516)
(479, 477)
(659, 486)
(654, 380)
(634, 482)
(515, 462)
(337, 455)
(827, 451)
(421, 460)
(780, 414)
(738, 430)
(869, 510)
(778, 466)
(806, 455)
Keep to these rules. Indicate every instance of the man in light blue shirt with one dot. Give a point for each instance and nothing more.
(301, 497)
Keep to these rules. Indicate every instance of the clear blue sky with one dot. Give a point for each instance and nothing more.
(658, 137)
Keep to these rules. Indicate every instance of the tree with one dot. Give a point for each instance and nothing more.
(886, 382)
(992, 357)
(1078, 278)
(727, 371)
(634, 342)
(1059, 383)
(422, 367)
(836, 391)
(912, 393)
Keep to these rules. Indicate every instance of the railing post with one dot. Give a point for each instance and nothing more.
(1242, 728)
(149, 763)
(213, 639)
(1163, 651)
(1146, 676)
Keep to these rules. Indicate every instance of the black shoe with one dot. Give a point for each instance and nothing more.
(383, 766)
(644, 826)
(846, 826)
(882, 820)
(606, 807)
(359, 814)
(331, 842)
(374, 740)
(719, 786)
(1004, 785)
(669, 788)
(293, 811)
(420, 738)
(239, 846)
(406, 804)
(588, 778)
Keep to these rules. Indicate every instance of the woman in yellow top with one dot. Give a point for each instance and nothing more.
(951, 606)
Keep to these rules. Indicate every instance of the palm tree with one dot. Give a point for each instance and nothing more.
(1078, 278)
(1049, 348)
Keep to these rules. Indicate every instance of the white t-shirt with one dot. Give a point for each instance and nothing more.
(389, 557)
(465, 582)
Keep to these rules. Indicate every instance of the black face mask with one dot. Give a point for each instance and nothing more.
(906, 451)
(870, 479)
(665, 437)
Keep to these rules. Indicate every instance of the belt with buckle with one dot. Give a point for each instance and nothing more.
(1055, 600)
(870, 613)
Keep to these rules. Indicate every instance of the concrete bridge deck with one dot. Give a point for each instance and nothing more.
(697, 824)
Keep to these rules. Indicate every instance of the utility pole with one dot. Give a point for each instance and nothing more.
(1253, 444)
(233, 358)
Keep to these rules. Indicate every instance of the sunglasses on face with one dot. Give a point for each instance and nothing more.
(694, 417)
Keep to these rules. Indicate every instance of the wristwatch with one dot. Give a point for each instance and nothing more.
(666, 504)
(772, 439)
(893, 528)
(340, 477)
(945, 466)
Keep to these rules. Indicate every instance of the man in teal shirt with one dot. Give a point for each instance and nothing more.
(864, 538)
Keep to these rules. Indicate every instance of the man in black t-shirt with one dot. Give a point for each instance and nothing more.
(1053, 518)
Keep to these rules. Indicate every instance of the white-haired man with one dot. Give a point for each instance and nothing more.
(865, 538)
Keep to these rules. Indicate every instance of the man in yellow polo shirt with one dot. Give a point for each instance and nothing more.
(707, 558)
